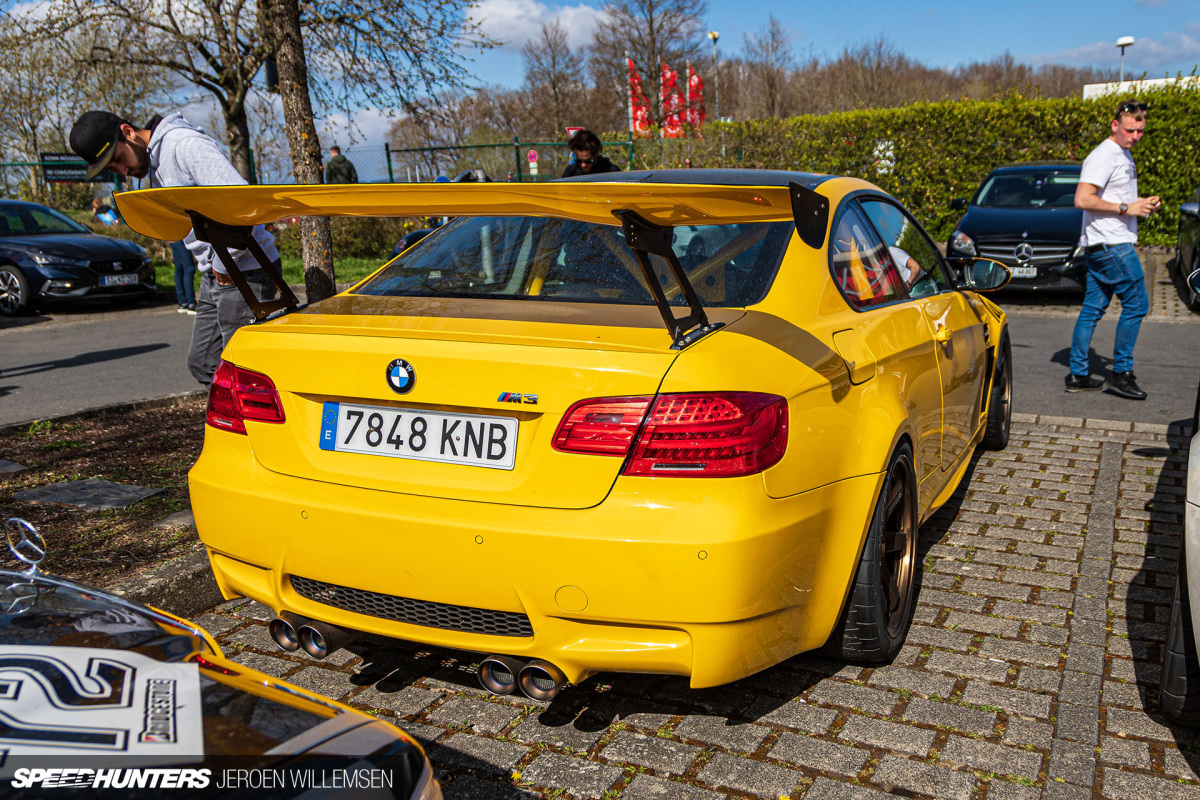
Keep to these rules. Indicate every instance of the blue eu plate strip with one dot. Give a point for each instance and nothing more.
(329, 420)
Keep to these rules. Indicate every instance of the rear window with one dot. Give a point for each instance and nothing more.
(535, 258)
(1029, 190)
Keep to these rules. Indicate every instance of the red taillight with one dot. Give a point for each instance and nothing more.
(237, 395)
(722, 434)
(603, 426)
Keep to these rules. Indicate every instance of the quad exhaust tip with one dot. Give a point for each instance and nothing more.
(319, 639)
(498, 674)
(285, 630)
(537, 680)
(541, 680)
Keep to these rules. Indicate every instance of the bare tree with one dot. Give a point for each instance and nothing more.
(287, 42)
(45, 88)
(768, 55)
(653, 32)
(382, 53)
(552, 76)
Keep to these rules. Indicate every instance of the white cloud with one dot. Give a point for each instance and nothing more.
(515, 22)
(1172, 51)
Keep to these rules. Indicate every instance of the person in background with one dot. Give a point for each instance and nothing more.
(687, 163)
(585, 156)
(185, 275)
(1108, 194)
(340, 169)
(170, 151)
(104, 213)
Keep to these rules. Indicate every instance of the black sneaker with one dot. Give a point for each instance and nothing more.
(1125, 385)
(1083, 383)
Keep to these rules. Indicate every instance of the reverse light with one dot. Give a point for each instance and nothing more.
(237, 395)
(962, 243)
(602, 426)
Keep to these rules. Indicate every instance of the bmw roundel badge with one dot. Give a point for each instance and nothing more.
(401, 376)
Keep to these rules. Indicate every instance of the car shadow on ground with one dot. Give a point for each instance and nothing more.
(580, 715)
(1149, 597)
(1178, 279)
(95, 357)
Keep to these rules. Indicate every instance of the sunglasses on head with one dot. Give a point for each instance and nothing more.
(1132, 108)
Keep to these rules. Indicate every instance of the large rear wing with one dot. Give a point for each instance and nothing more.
(223, 215)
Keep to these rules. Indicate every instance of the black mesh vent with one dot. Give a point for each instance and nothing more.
(414, 612)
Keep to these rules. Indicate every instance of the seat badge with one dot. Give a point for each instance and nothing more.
(401, 376)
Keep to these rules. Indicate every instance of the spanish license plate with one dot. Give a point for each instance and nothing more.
(118, 280)
(469, 439)
(1024, 272)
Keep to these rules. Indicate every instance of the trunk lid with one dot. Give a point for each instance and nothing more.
(469, 358)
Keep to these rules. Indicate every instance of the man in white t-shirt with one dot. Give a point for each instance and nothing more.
(1108, 195)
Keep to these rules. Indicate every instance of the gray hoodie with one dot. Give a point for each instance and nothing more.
(183, 155)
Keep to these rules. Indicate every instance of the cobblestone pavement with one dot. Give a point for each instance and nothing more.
(1166, 305)
(1030, 672)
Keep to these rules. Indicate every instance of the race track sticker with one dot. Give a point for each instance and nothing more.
(76, 701)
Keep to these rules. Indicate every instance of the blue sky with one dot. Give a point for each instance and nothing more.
(937, 34)
(941, 34)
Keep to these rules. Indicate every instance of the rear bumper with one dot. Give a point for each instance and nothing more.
(706, 578)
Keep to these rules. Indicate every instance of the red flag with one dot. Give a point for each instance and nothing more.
(672, 104)
(639, 104)
(695, 98)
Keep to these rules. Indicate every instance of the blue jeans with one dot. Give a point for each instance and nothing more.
(1114, 270)
(185, 272)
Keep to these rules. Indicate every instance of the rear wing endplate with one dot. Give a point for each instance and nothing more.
(810, 210)
(223, 238)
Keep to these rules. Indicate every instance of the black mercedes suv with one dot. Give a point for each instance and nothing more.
(1024, 215)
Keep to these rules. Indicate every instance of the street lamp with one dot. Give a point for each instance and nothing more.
(717, 76)
(1123, 42)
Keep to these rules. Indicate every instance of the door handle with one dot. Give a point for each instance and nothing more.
(942, 334)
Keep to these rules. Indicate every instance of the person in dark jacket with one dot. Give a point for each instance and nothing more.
(340, 169)
(585, 156)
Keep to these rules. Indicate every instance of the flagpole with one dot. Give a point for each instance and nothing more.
(687, 101)
(629, 63)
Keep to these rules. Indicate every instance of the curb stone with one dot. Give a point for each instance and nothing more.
(136, 405)
(185, 588)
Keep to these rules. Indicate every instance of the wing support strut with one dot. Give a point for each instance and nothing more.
(224, 238)
(646, 238)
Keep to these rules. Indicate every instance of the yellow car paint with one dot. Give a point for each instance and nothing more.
(711, 578)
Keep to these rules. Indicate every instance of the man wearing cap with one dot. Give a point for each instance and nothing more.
(171, 152)
(1108, 194)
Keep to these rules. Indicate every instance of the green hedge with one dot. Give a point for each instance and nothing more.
(929, 153)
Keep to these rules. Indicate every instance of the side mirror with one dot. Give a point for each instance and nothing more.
(958, 203)
(1190, 209)
(982, 274)
(1194, 281)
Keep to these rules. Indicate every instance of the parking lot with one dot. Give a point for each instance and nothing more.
(1031, 669)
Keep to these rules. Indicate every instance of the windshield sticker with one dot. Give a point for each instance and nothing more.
(79, 700)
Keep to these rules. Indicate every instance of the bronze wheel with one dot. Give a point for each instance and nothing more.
(879, 610)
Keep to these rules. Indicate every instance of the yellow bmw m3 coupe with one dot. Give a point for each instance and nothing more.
(681, 422)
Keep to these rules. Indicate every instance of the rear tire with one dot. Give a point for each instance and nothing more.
(14, 291)
(999, 418)
(879, 609)
(1179, 696)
